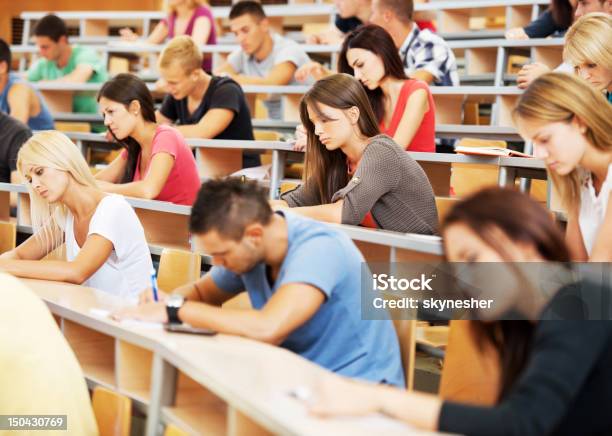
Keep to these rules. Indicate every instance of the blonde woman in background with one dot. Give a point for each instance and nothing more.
(570, 124)
(105, 242)
(589, 50)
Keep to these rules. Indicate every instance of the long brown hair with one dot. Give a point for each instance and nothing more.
(324, 169)
(559, 97)
(524, 220)
(374, 39)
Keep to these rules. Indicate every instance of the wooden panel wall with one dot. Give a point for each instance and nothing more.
(12, 9)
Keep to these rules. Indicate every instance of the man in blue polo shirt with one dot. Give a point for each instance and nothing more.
(302, 277)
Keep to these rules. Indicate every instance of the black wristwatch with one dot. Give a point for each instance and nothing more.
(173, 304)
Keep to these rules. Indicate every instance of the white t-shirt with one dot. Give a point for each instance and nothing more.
(283, 50)
(593, 208)
(127, 270)
(564, 68)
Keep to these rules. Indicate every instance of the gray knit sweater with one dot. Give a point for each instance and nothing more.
(388, 183)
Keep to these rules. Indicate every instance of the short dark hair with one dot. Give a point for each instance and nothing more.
(403, 9)
(249, 7)
(5, 53)
(228, 206)
(52, 27)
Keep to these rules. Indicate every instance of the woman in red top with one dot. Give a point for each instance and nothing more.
(404, 107)
(156, 163)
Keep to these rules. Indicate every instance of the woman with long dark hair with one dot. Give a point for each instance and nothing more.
(353, 174)
(554, 21)
(554, 372)
(403, 107)
(156, 163)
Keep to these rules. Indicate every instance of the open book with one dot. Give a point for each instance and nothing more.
(490, 151)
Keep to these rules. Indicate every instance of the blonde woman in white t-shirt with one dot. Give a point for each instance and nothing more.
(570, 124)
(105, 245)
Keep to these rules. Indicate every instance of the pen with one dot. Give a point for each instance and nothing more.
(154, 284)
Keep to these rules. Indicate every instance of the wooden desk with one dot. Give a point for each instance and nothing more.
(488, 59)
(213, 385)
(456, 19)
(452, 131)
(97, 23)
(220, 157)
(166, 226)
(216, 157)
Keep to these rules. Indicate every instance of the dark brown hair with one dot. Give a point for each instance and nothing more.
(51, 26)
(249, 7)
(521, 219)
(5, 54)
(375, 39)
(562, 13)
(324, 169)
(228, 206)
(125, 88)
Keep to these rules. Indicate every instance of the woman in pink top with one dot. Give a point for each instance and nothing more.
(156, 163)
(186, 17)
(404, 107)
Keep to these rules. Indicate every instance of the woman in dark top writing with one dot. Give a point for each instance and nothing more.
(353, 174)
(554, 21)
(556, 375)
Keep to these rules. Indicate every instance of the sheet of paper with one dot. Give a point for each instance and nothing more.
(129, 323)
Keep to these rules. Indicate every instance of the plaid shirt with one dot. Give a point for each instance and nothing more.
(424, 50)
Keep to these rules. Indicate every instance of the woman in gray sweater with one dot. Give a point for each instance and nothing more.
(353, 174)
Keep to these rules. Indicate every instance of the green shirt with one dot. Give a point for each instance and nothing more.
(82, 102)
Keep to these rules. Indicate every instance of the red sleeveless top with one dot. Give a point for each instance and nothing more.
(424, 138)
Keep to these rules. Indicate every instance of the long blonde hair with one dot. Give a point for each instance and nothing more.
(589, 41)
(558, 97)
(52, 149)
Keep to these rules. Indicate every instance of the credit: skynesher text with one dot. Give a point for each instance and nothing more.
(431, 303)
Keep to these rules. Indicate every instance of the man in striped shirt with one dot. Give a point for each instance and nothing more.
(425, 55)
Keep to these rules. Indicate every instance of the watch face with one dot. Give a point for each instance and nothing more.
(175, 300)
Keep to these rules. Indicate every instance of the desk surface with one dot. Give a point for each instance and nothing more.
(286, 10)
(296, 89)
(502, 42)
(112, 45)
(293, 10)
(258, 389)
(515, 162)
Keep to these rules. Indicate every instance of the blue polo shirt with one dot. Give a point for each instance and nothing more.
(335, 337)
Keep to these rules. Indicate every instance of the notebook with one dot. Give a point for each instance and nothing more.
(490, 151)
